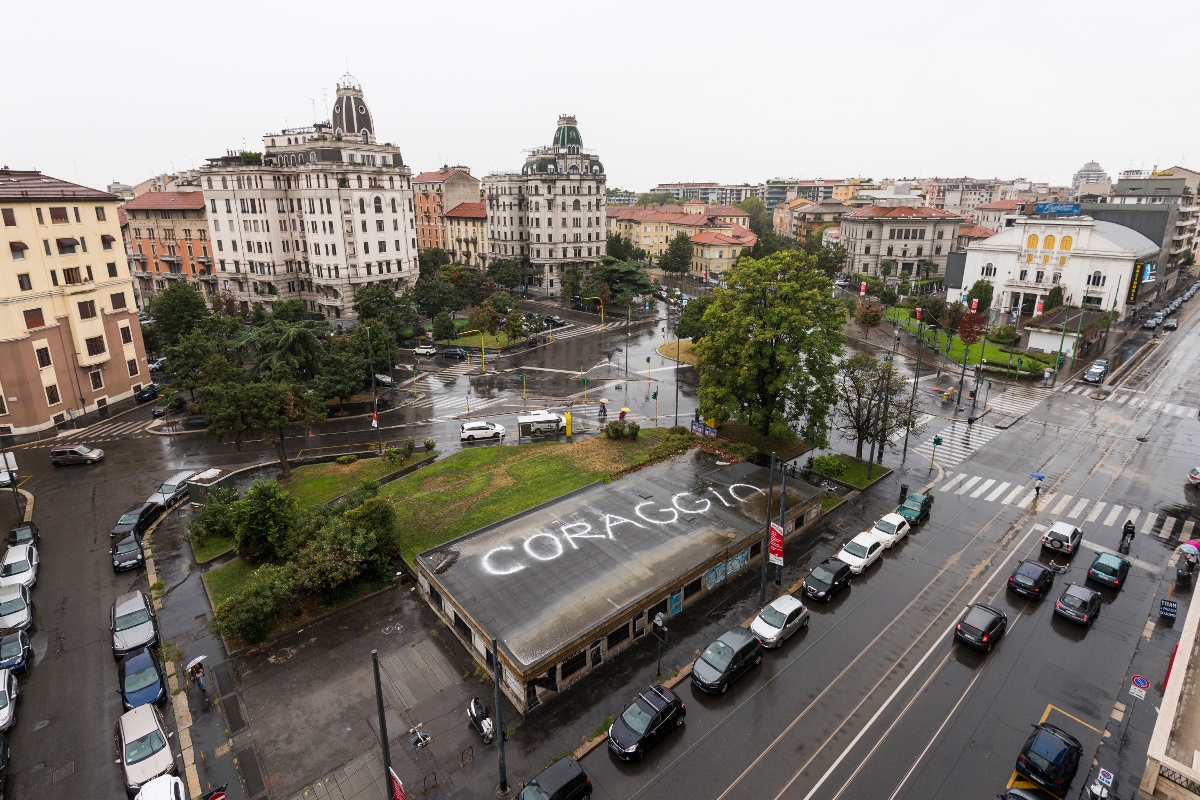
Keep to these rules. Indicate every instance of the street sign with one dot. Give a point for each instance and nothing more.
(975, 304)
(918, 315)
(1168, 609)
(775, 545)
(862, 289)
(660, 627)
(1140, 682)
(1106, 777)
(1140, 694)
(1038, 309)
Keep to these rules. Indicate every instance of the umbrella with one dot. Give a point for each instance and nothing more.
(1193, 543)
(194, 662)
(1037, 476)
(626, 410)
(1190, 549)
(604, 400)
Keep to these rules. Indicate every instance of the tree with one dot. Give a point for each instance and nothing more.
(443, 327)
(868, 317)
(514, 326)
(952, 317)
(288, 311)
(211, 337)
(613, 278)
(768, 359)
(657, 199)
(380, 302)
(262, 520)
(691, 319)
(928, 267)
(484, 318)
(224, 304)
(831, 258)
(872, 401)
(273, 408)
(501, 302)
(760, 217)
(971, 327)
(471, 286)
(505, 272)
(434, 295)
(982, 291)
(429, 259)
(1054, 298)
(885, 267)
(286, 350)
(151, 339)
(678, 257)
(619, 247)
(572, 282)
(176, 311)
(341, 375)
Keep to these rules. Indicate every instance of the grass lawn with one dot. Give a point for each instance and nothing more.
(210, 547)
(992, 352)
(856, 475)
(784, 447)
(314, 484)
(225, 580)
(477, 487)
(830, 502)
(471, 340)
(686, 354)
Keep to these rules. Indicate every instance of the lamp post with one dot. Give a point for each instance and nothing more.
(374, 400)
(601, 302)
(916, 377)
(482, 353)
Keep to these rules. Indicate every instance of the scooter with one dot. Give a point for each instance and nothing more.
(481, 720)
(1126, 539)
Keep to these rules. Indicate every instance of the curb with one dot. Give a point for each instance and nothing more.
(75, 431)
(28, 505)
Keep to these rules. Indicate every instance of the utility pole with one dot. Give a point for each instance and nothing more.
(374, 401)
(916, 377)
(766, 542)
(502, 788)
(383, 734)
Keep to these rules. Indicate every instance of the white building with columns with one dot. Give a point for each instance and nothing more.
(550, 215)
(1099, 265)
(325, 210)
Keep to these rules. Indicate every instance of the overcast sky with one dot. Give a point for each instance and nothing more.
(683, 91)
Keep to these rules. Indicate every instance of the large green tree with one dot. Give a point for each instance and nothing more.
(443, 327)
(213, 336)
(286, 350)
(769, 357)
(381, 303)
(760, 217)
(273, 409)
(572, 282)
(656, 199)
(612, 278)
(872, 401)
(262, 520)
(505, 272)
(430, 259)
(176, 311)
(691, 319)
(433, 295)
(982, 291)
(342, 373)
(678, 258)
(619, 247)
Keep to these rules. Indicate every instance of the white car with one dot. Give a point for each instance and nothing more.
(6, 478)
(143, 749)
(890, 529)
(8, 699)
(861, 552)
(157, 364)
(1194, 476)
(164, 787)
(425, 350)
(480, 430)
(20, 566)
(775, 623)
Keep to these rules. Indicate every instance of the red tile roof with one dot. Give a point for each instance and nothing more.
(975, 232)
(726, 211)
(17, 184)
(122, 217)
(900, 212)
(745, 235)
(713, 237)
(468, 211)
(1001, 205)
(437, 176)
(167, 201)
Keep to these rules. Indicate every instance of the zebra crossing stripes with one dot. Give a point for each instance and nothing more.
(982, 488)
(1078, 509)
(573, 331)
(1185, 533)
(957, 444)
(1096, 510)
(1012, 495)
(1112, 515)
(1173, 409)
(1062, 503)
(999, 490)
(966, 486)
(1018, 400)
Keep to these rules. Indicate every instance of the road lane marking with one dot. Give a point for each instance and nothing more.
(1165, 533)
(982, 488)
(1154, 406)
(1122, 399)
(953, 481)
(1148, 525)
(1133, 515)
(1112, 515)
(1186, 532)
(1078, 509)
(997, 491)
(1095, 514)
(1028, 499)
(1166, 409)
(1066, 498)
(1051, 706)
(1013, 494)
(968, 485)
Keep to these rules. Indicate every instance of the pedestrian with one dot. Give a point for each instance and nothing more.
(1046, 378)
(197, 674)
(622, 417)
(603, 410)
(1037, 488)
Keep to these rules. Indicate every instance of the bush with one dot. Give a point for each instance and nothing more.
(408, 448)
(263, 520)
(622, 429)
(332, 559)
(746, 452)
(348, 459)
(831, 466)
(1004, 334)
(248, 614)
(429, 445)
(678, 430)
(392, 454)
(215, 517)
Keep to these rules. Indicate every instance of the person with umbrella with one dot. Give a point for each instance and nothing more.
(1037, 488)
(195, 672)
(624, 411)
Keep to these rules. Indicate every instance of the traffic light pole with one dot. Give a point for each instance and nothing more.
(913, 400)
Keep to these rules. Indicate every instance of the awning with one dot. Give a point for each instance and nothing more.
(67, 242)
(106, 238)
(15, 246)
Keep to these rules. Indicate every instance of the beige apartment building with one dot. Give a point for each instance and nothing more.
(466, 234)
(652, 227)
(435, 194)
(70, 341)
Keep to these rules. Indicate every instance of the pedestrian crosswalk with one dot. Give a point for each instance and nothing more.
(1018, 400)
(101, 432)
(1132, 400)
(453, 405)
(572, 331)
(959, 441)
(1078, 510)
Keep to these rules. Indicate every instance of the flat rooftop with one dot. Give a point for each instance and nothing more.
(539, 581)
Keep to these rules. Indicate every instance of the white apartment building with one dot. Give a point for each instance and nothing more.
(550, 215)
(325, 210)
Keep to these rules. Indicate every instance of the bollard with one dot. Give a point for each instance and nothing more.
(903, 492)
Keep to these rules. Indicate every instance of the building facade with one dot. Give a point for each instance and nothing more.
(782, 220)
(70, 341)
(908, 236)
(1089, 173)
(998, 214)
(435, 193)
(806, 220)
(168, 240)
(550, 215)
(959, 196)
(324, 210)
(620, 197)
(466, 234)
(653, 227)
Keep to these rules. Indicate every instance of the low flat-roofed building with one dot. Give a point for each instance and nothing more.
(566, 585)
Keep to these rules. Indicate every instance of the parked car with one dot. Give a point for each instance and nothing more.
(132, 623)
(889, 529)
(8, 699)
(384, 380)
(562, 780)
(1171, 324)
(16, 609)
(127, 553)
(1193, 476)
(16, 653)
(136, 520)
(19, 566)
(1150, 324)
(860, 552)
(25, 533)
(143, 749)
(453, 352)
(1079, 604)
(424, 350)
(141, 679)
(7, 478)
(165, 787)
(542, 423)
(176, 403)
(1095, 374)
(1109, 569)
(76, 454)
(148, 392)
(157, 364)
(915, 509)
(480, 430)
(779, 620)
(725, 660)
(555, 321)
(172, 490)
(981, 626)
(647, 719)
(827, 579)
(1032, 579)
(1050, 757)
(1062, 536)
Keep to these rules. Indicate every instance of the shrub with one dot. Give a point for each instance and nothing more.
(632, 429)
(622, 429)
(248, 614)
(263, 520)
(1004, 334)
(429, 445)
(831, 466)
(392, 454)
(347, 459)
(332, 559)
(746, 452)
(678, 430)
(408, 448)
(215, 517)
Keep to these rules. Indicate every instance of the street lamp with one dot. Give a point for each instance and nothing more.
(482, 352)
(601, 309)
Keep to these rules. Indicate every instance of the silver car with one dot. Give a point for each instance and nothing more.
(132, 623)
(20, 566)
(172, 490)
(143, 747)
(16, 610)
(8, 699)
(775, 623)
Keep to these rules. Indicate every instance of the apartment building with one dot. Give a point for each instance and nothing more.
(70, 341)
(437, 192)
(465, 234)
(718, 233)
(957, 195)
(168, 240)
(906, 235)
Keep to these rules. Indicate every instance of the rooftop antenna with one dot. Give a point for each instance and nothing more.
(313, 100)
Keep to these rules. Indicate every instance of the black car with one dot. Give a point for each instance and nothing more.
(453, 352)
(141, 679)
(1094, 375)
(1032, 579)
(176, 403)
(555, 321)
(644, 721)
(725, 660)
(127, 553)
(827, 579)
(15, 651)
(136, 520)
(25, 533)
(148, 392)
(981, 626)
(1050, 757)
(562, 780)
(1079, 604)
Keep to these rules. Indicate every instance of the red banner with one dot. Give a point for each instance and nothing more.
(775, 545)
(397, 786)
(862, 289)
(975, 304)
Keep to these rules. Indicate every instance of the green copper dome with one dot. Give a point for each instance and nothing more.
(567, 134)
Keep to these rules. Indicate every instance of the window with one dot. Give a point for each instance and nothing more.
(43, 357)
(34, 319)
(52, 397)
(1039, 276)
(939, 234)
(10, 217)
(1096, 279)
(132, 366)
(378, 205)
(1048, 243)
(96, 379)
(66, 246)
(112, 270)
(1032, 242)
(95, 346)
(117, 300)
(39, 216)
(58, 215)
(1065, 244)
(1024, 275)
(71, 276)
(382, 246)
(989, 270)
(24, 282)
(126, 335)
(87, 309)
(937, 250)
(77, 219)
(890, 248)
(54, 277)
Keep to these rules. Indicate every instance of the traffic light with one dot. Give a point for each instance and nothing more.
(647, 359)
(937, 440)
(989, 385)
(971, 394)
(655, 395)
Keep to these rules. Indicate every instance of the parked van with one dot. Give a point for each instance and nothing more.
(78, 454)
(540, 423)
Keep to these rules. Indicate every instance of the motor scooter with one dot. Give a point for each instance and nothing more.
(481, 720)
(1126, 538)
